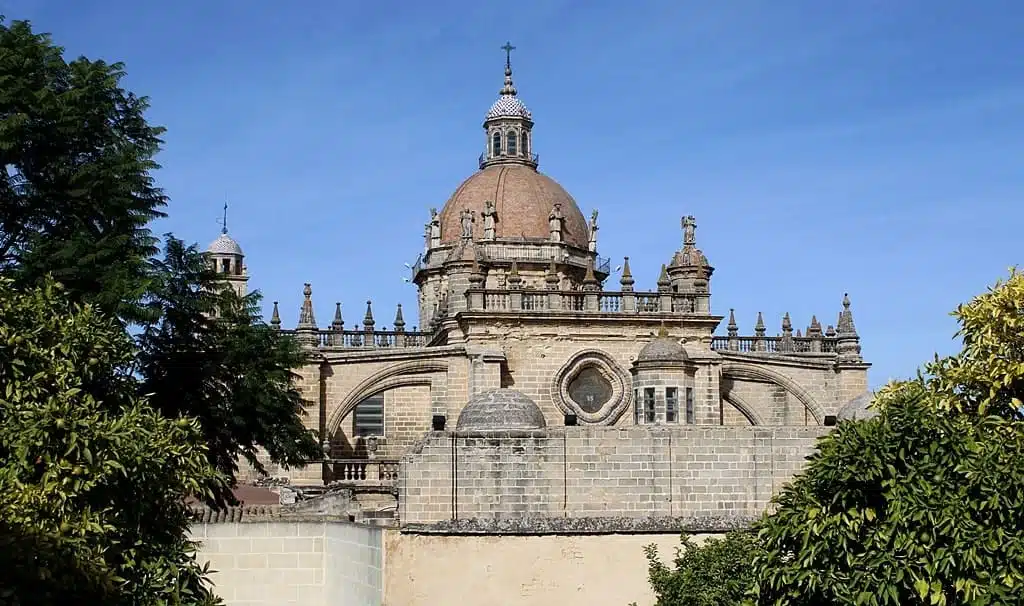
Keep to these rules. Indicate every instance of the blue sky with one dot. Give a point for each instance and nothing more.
(871, 147)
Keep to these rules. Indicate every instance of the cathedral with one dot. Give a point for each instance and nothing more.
(523, 327)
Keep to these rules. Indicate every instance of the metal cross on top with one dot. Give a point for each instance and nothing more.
(508, 48)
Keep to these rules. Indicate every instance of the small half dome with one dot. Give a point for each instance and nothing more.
(663, 349)
(224, 245)
(500, 409)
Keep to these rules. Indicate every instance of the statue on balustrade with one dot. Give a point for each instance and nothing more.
(435, 228)
(467, 218)
(593, 231)
(489, 215)
(555, 223)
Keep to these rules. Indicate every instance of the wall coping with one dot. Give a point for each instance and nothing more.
(540, 526)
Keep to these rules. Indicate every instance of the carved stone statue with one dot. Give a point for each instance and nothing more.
(435, 228)
(689, 230)
(467, 218)
(593, 231)
(555, 223)
(426, 237)
(489, 215)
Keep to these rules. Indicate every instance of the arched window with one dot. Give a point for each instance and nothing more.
(496, 144)
(510, 144)
(368, 417)
(225, 266)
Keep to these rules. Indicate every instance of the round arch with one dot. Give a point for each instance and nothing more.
(748, 411)
(399, 375)
(740, 370)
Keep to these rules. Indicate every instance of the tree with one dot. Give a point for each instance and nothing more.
(717, 572)
(76, 194)
(76, 201)
(211, 357)
(93, 481)
(923, 504)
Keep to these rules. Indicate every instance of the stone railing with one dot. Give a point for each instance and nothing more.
(376, 339)
(479, 299)
(792, 345)
(362, 472)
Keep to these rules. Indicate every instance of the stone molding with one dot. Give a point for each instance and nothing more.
(746, 370)
(397, 375)
(537, 526)
(619, 378)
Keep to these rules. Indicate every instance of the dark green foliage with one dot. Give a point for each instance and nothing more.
(76, 195)
(715, 573)
(232, 372)
(93, 480)
(923, 504)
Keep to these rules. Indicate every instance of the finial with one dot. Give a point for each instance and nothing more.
(551, 278)
(664, 284)
(662, 331)
(814, 330)
(759, 329)
(798, 335)
(734, 329)
(224, 222)
(509, 88)
(399, 320)
(787, 324)
(306, 318)
(368, 318)
(275, 318)
(339, 323)
(627, 277)
(830, 331)
(514, 280)
(846, 300)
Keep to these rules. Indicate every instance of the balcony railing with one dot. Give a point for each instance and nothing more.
(792, 345)
(362, 472)
(483, 159)
(578, 301)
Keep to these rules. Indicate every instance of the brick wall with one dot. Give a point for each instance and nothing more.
(308, 563)
(627, 473)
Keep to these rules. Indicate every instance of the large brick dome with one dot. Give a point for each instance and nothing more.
(523, 199)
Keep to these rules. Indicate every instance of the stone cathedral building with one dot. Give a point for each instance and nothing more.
(533, 378)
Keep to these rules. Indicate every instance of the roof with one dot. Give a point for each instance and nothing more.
(224, 245)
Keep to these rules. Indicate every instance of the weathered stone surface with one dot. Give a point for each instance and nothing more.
(582, 526)
(500, 409)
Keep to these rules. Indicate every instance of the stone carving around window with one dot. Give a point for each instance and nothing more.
(594, 387)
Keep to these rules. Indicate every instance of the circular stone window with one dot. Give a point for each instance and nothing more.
(590, 390)
(592, 386)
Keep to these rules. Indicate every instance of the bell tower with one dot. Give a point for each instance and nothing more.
(227, 259)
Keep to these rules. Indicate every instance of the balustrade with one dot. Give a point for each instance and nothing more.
(583, 301)
(793, 345)
(366, 472)
(328, 338)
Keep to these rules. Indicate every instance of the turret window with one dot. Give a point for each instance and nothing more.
(511, 146)
(496, 144)
(690, 417)
(671, 405)
(225, 266)
(526, 144)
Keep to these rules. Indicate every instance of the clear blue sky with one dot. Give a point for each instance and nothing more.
(866, 146)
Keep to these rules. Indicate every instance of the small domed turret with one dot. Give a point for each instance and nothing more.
(500, 409)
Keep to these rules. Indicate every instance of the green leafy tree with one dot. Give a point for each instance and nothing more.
(210, 356)
(923, 504)
(717, 572)
(93, 481)
(76, 194)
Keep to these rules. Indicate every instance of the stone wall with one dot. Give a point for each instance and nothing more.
(430, 570)
(598, 479)
(307, 563)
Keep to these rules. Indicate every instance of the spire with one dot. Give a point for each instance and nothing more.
(306, 319)
(338, 324)
(627, 277)
(664, 284)
(787, 326)
(590, 281)
(509, 89)
(733, 329)
(368, 318)
(399, 320)
(224, 221)
(551, 278)
(759, 329)
(845, 324)
(275, 318)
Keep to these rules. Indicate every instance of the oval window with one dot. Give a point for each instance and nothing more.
(590, 390)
